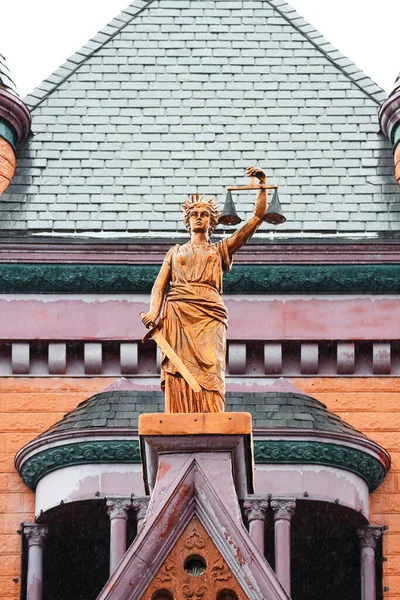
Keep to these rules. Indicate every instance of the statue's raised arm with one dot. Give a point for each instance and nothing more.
(194, 318)
(245, 231)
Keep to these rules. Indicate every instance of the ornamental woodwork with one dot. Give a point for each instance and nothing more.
(209, 578)
(265, 452)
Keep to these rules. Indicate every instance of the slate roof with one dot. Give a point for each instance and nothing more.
(5, 76)
(270, 410)
(175, 96)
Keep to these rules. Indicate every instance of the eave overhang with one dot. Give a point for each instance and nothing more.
(356, 454)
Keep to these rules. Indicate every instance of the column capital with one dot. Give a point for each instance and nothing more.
(118, 506)
(369, 535)
(283, 508)
(255, 509)
(35, 534)
(140, 505)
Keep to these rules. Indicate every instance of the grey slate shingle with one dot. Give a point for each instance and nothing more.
(183, 97)
(271, 410)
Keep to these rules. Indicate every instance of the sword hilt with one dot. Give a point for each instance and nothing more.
(141, 315)
(151, 328)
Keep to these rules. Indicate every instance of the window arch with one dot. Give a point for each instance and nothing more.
(162, 595)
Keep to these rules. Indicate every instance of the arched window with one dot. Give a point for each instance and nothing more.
(227, 595)
(162, 595)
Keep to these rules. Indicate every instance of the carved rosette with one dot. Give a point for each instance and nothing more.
(283, 509)
(175, 576)
(140, 506)
(255, 509)
(35, 534)
(369, 536)
(118, 506)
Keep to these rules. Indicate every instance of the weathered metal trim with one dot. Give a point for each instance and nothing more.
(249, 279)
(357, 461)
(396, 136)
(84, 453)
(342, 457)
(16, 113)
(147, 251)
(7, 132)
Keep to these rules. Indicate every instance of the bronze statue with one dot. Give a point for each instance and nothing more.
(194, 316)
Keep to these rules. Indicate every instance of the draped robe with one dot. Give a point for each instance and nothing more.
(194, 323)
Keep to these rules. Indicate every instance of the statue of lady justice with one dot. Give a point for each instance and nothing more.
(195, 319)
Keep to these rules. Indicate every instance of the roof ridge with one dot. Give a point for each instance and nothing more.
(331, 53)
(283, 8)
(35, 98)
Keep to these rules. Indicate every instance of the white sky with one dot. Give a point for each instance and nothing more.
(37, 36)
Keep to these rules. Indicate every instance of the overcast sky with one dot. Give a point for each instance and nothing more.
(37, 36)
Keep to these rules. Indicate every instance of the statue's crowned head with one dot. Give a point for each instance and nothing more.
(197, 201)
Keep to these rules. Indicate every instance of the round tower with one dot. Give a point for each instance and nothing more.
(15, 125)
(389, 120)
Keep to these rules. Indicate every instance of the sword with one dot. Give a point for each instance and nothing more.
(162, 343)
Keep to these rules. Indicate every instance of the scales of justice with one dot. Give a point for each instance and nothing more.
(187, 317)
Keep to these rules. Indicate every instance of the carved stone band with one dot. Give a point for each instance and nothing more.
(35, 534)
(283, 509)
(369, 536)
(255, 509)
(118, 506)
(140, 506)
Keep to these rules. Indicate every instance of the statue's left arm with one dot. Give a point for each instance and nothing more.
(244, 233)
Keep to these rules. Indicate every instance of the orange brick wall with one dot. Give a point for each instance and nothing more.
(29, 406)
(372, 405)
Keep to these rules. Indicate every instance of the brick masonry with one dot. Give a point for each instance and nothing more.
(30, 406)
(175, 97)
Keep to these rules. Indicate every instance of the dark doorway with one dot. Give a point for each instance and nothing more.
(76, 554)
(325, 552)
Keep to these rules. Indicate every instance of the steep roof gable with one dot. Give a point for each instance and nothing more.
(127, 16)
(190, 491)
(177, 96)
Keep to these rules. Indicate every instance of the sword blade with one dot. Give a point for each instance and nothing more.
(174, 358)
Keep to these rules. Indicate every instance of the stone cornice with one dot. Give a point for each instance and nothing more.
(249, 279)
(351, 453)
(152, 252)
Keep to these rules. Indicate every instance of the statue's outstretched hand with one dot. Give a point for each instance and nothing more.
(149, 318)
(256, 172)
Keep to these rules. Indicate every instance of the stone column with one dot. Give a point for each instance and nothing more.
(117, 508)
(283, 512)
(255, 512)
(140, 506)
(35, 534)
(369, 535)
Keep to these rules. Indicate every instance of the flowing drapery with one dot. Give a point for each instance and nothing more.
(194, 324)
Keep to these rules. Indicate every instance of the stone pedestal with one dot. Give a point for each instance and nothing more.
(168, 439)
